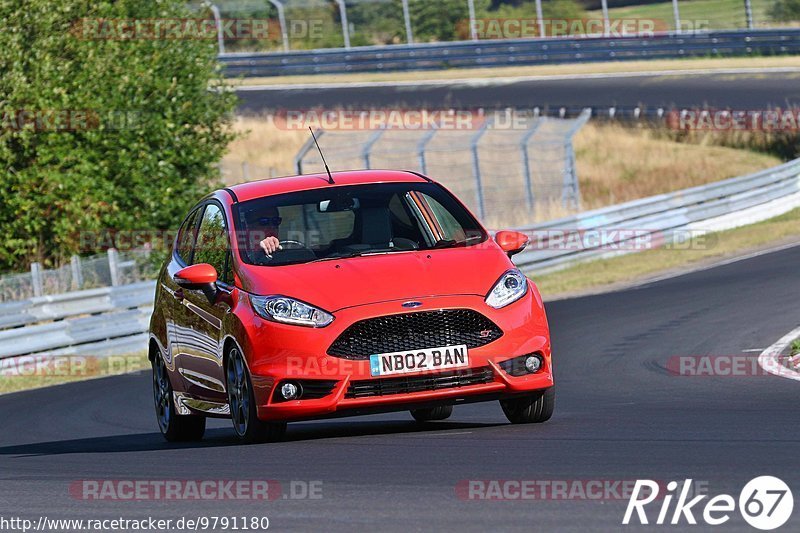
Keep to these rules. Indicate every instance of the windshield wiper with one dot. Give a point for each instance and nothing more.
(448, 243)
(353, 254)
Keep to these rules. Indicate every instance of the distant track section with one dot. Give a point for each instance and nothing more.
(622, 91)
(510, 52)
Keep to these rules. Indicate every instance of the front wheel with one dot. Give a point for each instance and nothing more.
(242, 404)
(433, 413)
(535, 408)
(175, 428)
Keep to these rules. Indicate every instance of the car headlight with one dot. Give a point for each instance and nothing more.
(290, 311)
(509, 288)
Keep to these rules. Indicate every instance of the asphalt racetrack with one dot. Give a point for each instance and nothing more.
(751, 91)
(620, 415)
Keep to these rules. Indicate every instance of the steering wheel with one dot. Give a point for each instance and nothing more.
(297, 244)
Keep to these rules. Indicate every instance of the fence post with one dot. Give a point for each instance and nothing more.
(476, 167)
(540, 17)
(77, 274)
(113, 266)
(526, 164)
(748, 14)
(570, 189)
(407, 18)
(36, 279)
(423, 143)
(473, 31)
(282, 22)
(606, 21)
(345, 27)
(677, 14)
(245, 171)
(365, 153)
(218, 20)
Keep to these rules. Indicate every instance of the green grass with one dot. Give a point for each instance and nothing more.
(795, 347)
(698, 14)
(593, 275)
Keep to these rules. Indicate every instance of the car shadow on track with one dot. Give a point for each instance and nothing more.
(220, 437)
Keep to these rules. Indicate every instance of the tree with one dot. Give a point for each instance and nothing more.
(785, 11)
(443, 20)
(100, 131)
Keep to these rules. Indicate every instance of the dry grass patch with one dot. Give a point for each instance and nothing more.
(268, 150)
(617, 164)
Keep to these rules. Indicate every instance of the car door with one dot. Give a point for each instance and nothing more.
(201, 341)
(174, 311)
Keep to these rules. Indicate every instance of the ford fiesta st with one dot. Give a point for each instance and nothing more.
(314, 296)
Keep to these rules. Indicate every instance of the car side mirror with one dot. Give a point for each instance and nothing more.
(196, 277)
(511, 242)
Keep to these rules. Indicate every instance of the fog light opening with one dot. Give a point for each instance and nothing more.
(533, 363)
(290, 391)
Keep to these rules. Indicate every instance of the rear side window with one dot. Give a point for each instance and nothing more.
(450, 227)
(212, 242)
(186, 237)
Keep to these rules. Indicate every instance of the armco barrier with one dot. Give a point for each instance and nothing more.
(114, 320)
(95, 322)
(665, 216)
(513, 52)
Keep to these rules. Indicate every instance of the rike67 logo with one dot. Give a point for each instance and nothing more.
(765, 503)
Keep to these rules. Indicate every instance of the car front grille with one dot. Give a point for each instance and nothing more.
(403, 385)
(413, 331)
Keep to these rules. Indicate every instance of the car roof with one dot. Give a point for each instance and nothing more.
(269, 187)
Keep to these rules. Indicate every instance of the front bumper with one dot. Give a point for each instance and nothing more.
(278, 353)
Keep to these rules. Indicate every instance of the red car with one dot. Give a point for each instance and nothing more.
(312, 297)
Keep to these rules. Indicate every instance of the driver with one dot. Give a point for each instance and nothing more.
(267, 224)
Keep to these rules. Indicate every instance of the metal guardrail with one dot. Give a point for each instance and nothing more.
(114, 320)
(89, 322)
(512, 52)
(663, 217)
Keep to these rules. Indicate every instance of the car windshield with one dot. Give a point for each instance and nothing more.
(349, 221)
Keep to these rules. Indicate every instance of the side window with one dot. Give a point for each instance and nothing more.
(212, 242)
(186, 237)
(451, 229)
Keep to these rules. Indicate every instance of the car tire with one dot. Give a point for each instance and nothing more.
(241, 399)
(534, 408)
(433, 413)
(174, 427)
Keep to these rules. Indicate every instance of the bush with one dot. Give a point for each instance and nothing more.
(785, 11)
(126, 132)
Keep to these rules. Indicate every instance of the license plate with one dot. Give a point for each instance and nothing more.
(387, 364)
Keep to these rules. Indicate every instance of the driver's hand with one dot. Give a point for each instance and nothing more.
(270, 245)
